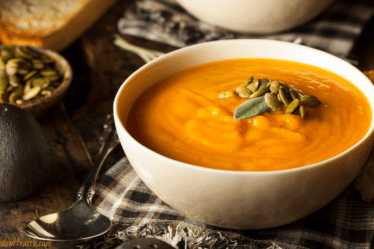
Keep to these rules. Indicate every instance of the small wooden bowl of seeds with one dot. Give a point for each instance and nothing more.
(33, 78)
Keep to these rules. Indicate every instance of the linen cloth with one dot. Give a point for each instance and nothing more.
(346, 222)
(335, 31)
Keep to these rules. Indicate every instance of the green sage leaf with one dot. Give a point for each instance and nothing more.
(251, 108)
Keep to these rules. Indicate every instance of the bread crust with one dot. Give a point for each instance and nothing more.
(48, 24)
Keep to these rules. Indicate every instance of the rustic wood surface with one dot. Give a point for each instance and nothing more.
(74, 125)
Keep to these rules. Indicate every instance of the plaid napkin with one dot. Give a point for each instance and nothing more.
(346, 222)
(335, 31)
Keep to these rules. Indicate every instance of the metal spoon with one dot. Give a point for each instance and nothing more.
(80, 222)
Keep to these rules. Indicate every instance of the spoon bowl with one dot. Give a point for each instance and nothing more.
(80, 222)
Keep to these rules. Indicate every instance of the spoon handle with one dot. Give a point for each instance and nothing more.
(110, 141)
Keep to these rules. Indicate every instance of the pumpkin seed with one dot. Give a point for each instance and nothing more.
(52, 77)
(25, 52)
(253, 86)
(6, 54)
(263, 83)
(3, 82)
(274, 86)
(47, 92)
(302, 112)
(265, 95)
(285, 96)
(260, 92)
(46, 59)
(48, 72)
(310, 100)
(16, 94)
(30, 75)
(17, 65)
(37, 64)
(292, 107)
(285, 86)
(42, 82)
(27, 86)
(226, 94)
(16, 61)
(2, 64)
(23, 71)
(294, 93)
(32, 93)
(249, 81)
(10, 88)
(11, 68)
(272, 101)
(14, 80)
(243, 92)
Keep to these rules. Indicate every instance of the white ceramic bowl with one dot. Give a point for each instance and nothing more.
(255, 16)
(241, 200)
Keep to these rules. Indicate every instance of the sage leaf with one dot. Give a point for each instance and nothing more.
(251, 108)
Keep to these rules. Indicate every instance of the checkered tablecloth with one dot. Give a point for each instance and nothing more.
(335, 31)
(136, 212)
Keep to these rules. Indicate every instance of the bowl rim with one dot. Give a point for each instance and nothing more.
(188, 166)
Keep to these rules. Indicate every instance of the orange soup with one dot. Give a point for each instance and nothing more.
(182, 118)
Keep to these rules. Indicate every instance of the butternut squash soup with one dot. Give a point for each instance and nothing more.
(182, 118)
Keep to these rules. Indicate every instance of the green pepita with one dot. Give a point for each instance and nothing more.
(42, 82)
(226, 94)
(294, 93)
(25, 52)
(243, 92)
(11, 68)
(253, 86)
(285, 96)
(30, 75)
(292, 107)
(274, 86)
(52, 77)
(260, 92)
(249, 81)
(6, 54)
(14, 80)
(47, 92)
(266, 95)
(16, 94)
(32, 93)
(263, 83)
(310, 100)
(48, 72)
(46, 59)
(302, 112)
(4, 82)
(23, 71)
(272, 101)
(37, 64)
(2, 64)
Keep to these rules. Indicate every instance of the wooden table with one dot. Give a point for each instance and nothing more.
(74, 125)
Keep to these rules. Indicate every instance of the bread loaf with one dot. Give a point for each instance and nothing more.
(51, 24)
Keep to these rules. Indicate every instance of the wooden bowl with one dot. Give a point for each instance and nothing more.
(39, 105)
